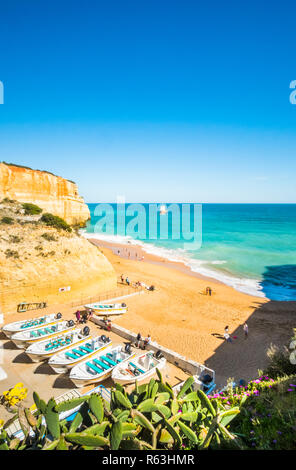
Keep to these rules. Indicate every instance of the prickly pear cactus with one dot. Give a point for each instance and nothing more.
(152, 416)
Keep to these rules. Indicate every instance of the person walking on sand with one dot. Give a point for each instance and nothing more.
(227, 338)
(210, 291)
(246, 330)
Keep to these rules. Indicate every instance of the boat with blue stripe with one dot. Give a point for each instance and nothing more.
(100, 366)
(63, 361)
(30, 324)
(44, 349)
(23, 339)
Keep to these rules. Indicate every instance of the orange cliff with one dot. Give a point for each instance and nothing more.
(52, 193)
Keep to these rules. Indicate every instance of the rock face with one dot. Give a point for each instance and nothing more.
(43, 264)
(52, 193)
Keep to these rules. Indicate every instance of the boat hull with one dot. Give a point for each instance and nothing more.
(24, 343)
(43, 356)
(60, 368)
(8, 333)
(128, 379)
(88, 381)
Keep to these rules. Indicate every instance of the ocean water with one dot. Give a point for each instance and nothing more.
(250, 247)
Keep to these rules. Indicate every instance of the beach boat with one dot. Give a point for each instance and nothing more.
(23, 339)
(63, 361)
(107, 309)
(100, 366)
(31, 324)
(46, 348)
(138, 369)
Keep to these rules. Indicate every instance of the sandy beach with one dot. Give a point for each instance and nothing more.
(181, 317)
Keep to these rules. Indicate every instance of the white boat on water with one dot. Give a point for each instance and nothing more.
(107, 309)
(31, 324)
(100, 366)
(63, 361)
(139, 369)
(46, 348)
(23, 339)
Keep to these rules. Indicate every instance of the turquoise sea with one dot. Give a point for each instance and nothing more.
(248, 246)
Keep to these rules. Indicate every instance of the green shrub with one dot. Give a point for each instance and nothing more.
(7, 200)
(7, 220)
(11, 254)
(279, 364)
(14, 239)
(49, 237)
(55, 221)
(31, 209)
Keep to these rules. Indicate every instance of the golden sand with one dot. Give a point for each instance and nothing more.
(181, 317)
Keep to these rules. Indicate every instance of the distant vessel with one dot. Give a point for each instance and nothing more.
(162, 209)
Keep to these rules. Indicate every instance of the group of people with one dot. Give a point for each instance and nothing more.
(82, 317)
(142, 343)
(228, 337)
(136, 284)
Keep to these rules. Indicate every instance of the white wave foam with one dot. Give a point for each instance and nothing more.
(244, 285)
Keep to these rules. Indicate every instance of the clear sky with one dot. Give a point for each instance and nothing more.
(154, 100)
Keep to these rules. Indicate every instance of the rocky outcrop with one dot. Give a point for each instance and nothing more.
(52, 193)
(39, 263)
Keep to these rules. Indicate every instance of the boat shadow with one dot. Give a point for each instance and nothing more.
(22, 358)
(44, 368)
(9, 345)
(63, 381)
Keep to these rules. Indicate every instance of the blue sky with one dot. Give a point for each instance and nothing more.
(157, 101)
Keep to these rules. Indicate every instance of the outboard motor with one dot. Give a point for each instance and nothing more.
(206, 379)
(103, 338)
(70, 323)
(123, 305)
(85, 331)
(128, 348)
(159, 355)
(58, 315)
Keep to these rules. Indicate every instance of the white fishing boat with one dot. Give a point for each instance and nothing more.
(63, 361)
(107, 309)
(139, 369)
(31, 324)
(100, 367)
(45, 349)
(23, 339)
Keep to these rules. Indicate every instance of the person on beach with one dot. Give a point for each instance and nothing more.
(210, 291)
(226, 330)
(77, 314)
(147, 341)
(127, 281)
(84, 317)
(109, 325)
(138, 340)
(122, 278)
(246, 330)
(227, 338)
